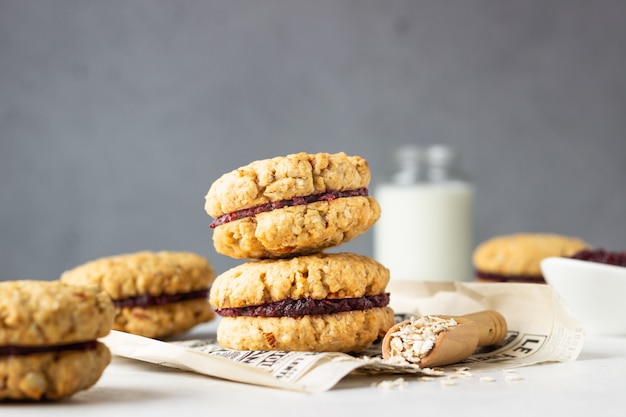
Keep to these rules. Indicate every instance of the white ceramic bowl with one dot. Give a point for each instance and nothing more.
(595, 292)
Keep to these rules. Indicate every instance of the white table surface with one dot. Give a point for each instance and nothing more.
(594, 384)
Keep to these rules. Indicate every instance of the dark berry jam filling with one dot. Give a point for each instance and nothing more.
(602, 256)
(487, 276)
(296, 201)
(29, 350)
(307, 306)
(147, 300)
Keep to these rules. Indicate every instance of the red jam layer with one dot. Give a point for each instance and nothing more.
(486, 276)
(307, 306)
(602, 256)
(296, 201)
(28, 350)
(147, 300)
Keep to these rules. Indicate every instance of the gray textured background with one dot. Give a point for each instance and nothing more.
(116, 116)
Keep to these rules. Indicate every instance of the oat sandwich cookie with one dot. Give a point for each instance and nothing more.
(517, 257)
(49, 332)
(291, 205)
(320, 302)
(156, 294)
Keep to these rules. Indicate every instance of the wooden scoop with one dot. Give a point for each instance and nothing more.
(456, 343)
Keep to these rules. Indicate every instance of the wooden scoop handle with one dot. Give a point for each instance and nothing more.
(492, 326)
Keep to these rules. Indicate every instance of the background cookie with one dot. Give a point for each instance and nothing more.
(291, 205)
(48, 338)
(156, 294)
(517, 257)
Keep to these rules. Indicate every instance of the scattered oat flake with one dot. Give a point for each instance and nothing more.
(448, 382)
(427, 378)
(487, 379)
(513, 377)
(391, 383)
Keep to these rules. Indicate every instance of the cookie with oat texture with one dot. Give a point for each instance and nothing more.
(48, 339)
(517, 257)
(156, 294)
(320, 302)
(291, 205)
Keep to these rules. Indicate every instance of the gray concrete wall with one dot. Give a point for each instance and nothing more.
(116, 116)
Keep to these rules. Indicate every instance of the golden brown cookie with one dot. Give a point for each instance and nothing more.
(351, 331)
(319, 276)
(291, 205)
(320, 302)
(48, 338)
(156, 294)
(517, 257)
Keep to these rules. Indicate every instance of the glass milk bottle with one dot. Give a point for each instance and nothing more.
(425, 231)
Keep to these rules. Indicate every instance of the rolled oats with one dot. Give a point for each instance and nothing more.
(413, 341)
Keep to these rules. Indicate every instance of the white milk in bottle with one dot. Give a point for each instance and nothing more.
(425, 231)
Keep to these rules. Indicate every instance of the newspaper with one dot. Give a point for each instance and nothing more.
(541, 329)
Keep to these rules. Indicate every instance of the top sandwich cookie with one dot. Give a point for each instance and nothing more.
(517, 257)
(48, 338)
(156, 294)
(291, 205)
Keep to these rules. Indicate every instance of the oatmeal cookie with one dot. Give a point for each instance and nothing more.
(156, 294)
(285, 177)
(517, 257)
(165, 320)
(48, 338)
(319, 276)
(53, 375)
(351, 331)
(297, 230)
(291, 205)
(34, 313)
(320, 302)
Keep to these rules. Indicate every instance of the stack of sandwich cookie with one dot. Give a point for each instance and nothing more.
(280, 214)
(48, 339)
(156, 294)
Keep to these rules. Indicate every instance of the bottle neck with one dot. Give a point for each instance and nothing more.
(433, 164)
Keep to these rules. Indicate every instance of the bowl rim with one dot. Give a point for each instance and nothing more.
(583, 264)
